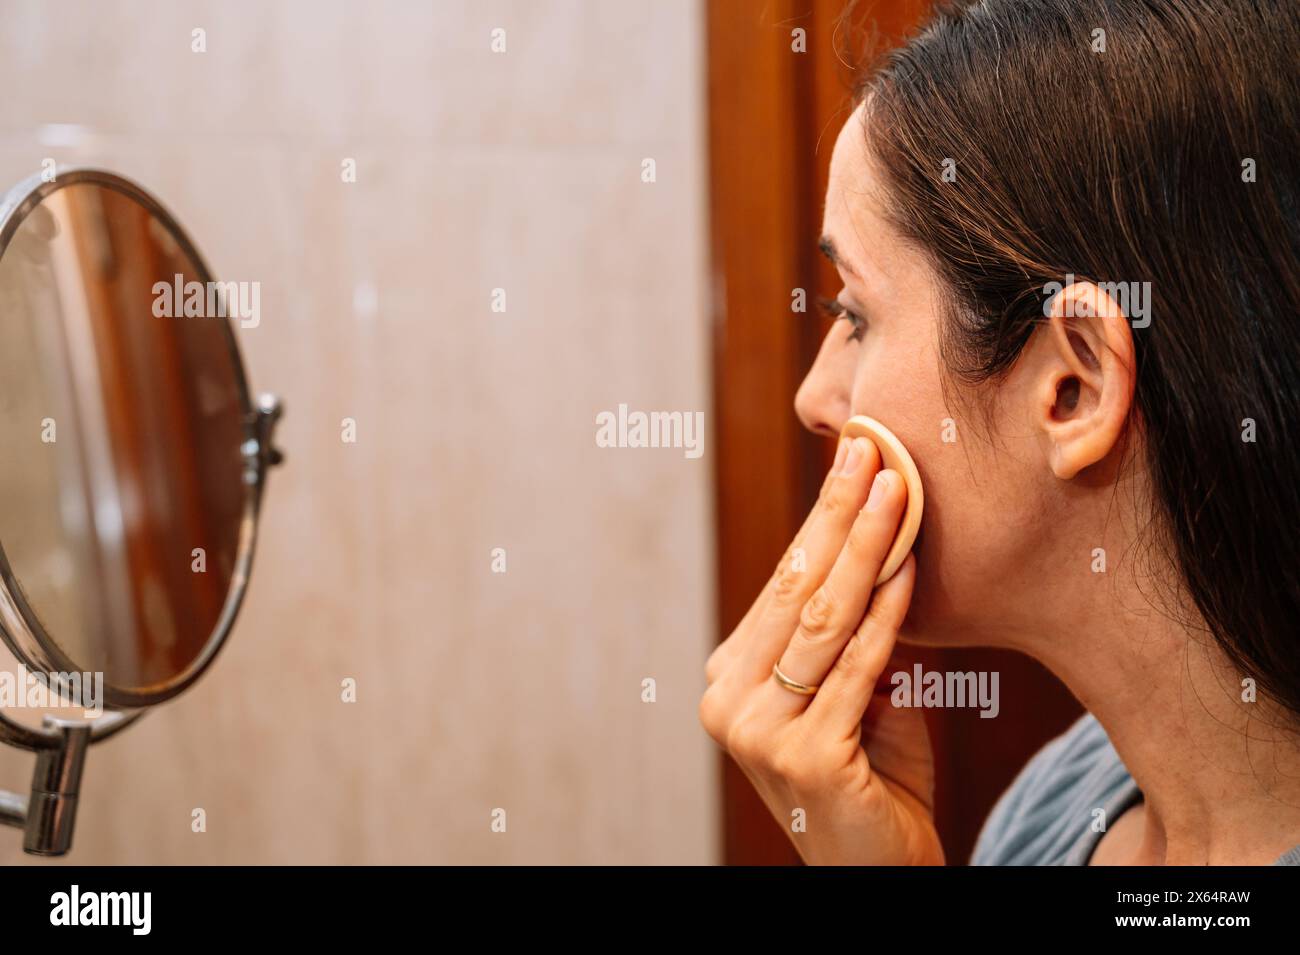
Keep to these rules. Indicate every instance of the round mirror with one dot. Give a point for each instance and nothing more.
(130, 459)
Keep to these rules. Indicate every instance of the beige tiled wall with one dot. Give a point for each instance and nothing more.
(476, 171)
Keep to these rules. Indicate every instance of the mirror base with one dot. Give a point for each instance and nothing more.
(48, 816)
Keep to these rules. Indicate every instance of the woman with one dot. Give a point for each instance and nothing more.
(1068, 242)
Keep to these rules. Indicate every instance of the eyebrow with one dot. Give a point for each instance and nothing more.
(827, 246)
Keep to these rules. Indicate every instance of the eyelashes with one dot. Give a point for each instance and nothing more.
(836, 310)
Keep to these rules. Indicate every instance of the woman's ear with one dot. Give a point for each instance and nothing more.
(1083, 376)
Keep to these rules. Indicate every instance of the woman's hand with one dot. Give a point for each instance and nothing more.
(860, 769)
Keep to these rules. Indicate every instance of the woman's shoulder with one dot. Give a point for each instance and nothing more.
(1048, 814)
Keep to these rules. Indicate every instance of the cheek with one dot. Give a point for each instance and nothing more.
(898, 384)
(968, 532)
(986, 541)
(959, 545)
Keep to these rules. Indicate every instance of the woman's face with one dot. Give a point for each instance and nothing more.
(985, 552)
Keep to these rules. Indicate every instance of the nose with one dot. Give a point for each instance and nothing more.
(823, 401)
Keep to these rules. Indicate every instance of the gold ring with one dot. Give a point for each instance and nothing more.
(794, 686)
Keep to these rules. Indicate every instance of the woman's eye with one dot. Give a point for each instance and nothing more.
(836, 310)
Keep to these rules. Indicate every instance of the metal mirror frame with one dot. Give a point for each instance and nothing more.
(48, 814)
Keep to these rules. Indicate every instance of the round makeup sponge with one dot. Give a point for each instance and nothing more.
(895, 457)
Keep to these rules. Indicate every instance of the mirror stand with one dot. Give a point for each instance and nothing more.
(47, 816)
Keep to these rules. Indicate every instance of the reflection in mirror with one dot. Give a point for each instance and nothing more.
(121, 477)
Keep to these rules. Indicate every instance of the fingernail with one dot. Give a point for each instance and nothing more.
(839, 455)
(879, 488)
(855, 456)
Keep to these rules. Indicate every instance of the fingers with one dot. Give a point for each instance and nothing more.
(835, 609)
(725, 653)
(841, 703)
(795, 554)
(811, 560)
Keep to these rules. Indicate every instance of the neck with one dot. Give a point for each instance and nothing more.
(1220, 776)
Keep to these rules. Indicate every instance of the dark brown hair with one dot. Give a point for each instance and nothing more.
(1163, 150)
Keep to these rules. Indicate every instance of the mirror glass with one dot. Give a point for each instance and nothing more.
(121, 420)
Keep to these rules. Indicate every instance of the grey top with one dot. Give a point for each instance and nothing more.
(1046, 816)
